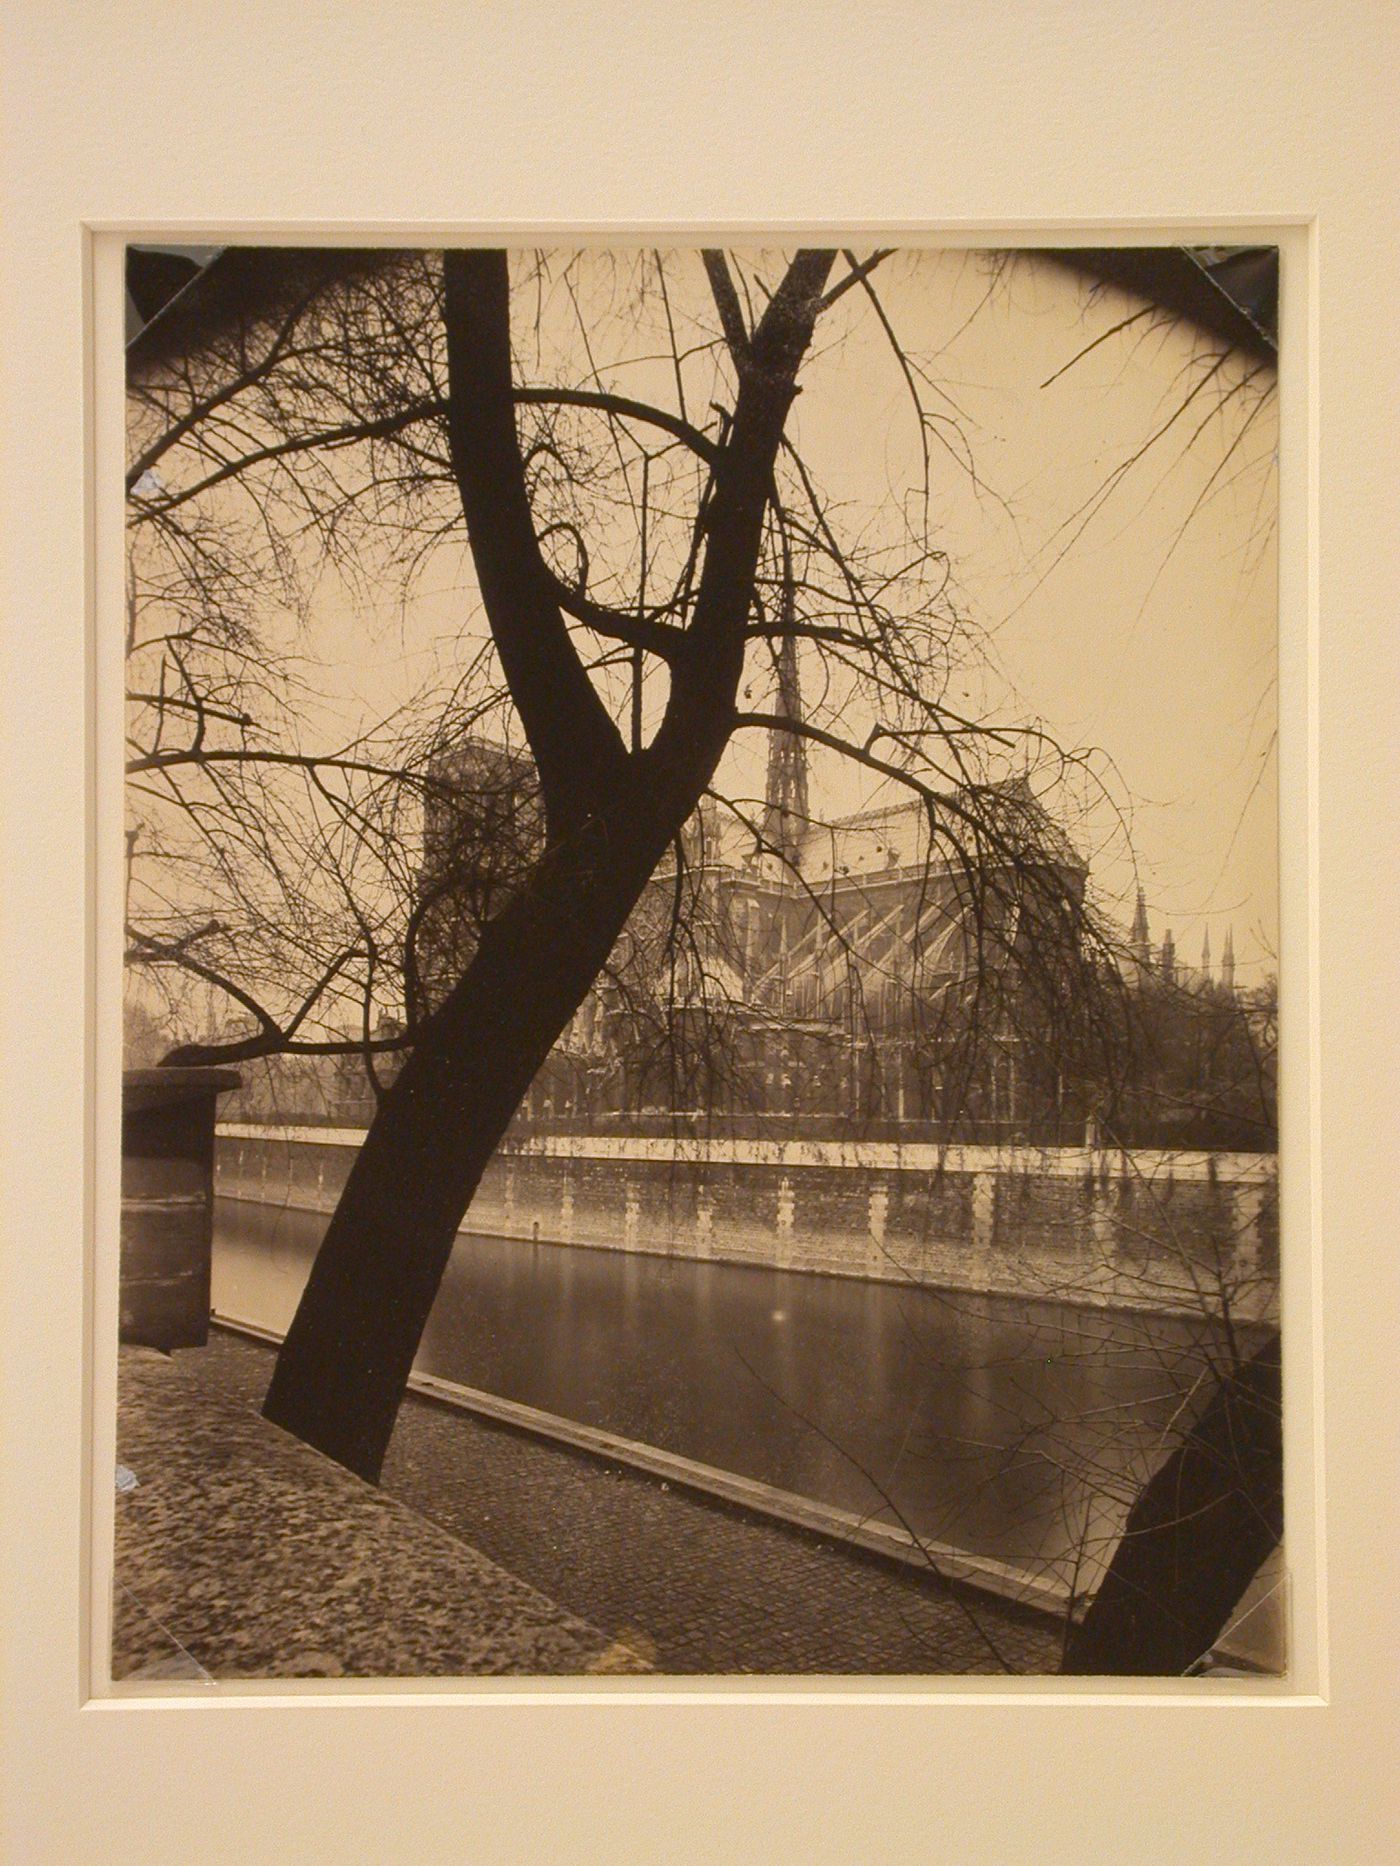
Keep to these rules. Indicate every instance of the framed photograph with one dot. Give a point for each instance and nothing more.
(691, 956)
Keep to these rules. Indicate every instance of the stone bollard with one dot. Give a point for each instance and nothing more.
(877, 1213)
(1103, 1224)
(1248, 1208)
(167, 1218)
(984, 1209)
(704, 1224)
(783, 1218)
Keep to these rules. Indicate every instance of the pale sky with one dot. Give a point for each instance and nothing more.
(1151, 631)
(1146, 627)
(1142, 622)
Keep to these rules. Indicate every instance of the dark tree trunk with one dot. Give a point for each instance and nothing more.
(609, 816)
(1195, 1537)
(342, 1370)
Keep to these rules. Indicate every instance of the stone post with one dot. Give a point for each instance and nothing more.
(984, 1206)
(1248, 1205)
(786, 1205)
(1103, 1227)
(631, 1215)
(167, 1215)
(704, 1223)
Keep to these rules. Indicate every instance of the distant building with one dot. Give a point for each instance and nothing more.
(852, 974)
(483, 828)
(1201, 1049)
(851, 969)
(1165, 964)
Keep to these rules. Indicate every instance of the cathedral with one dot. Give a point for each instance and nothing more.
(875, 974)
(836, 969)
(869, 969)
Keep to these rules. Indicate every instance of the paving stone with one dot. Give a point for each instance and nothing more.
(696, 1586)
(241, 1553)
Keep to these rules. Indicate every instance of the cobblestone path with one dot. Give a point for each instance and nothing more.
(695, 1585)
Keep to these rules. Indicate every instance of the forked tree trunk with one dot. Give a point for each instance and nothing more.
(342, 1370)
(1196, 1536)
(341, 1373)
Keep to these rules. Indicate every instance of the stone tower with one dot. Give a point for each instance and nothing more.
(1138, 939)
(785, 814)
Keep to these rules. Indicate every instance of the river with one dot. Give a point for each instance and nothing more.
(1008, 1428)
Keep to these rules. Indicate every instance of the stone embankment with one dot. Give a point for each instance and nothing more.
(1169, 1231)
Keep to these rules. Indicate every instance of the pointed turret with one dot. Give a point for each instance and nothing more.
(1227, 960)
(1138, 939)
(785, 794)
(1205, 958)
(1168, 961)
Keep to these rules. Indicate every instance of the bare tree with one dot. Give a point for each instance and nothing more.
(651, 566)
(343, 414)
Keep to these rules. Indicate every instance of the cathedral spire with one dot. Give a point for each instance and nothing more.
(785, 794)
(1138, 939)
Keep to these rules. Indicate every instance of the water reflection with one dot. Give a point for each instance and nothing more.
(1011, 1428)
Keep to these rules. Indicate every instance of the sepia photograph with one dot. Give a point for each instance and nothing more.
(700, 964)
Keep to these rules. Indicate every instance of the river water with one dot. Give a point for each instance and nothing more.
(1008, 1428)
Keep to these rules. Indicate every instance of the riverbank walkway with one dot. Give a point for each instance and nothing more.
(242, 1554)
(499, 1552)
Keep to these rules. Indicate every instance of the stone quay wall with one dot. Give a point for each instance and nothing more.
(1181, 1232)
